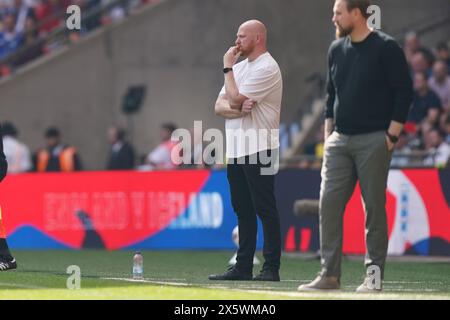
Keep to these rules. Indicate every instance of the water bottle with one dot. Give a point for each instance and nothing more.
(138, 266)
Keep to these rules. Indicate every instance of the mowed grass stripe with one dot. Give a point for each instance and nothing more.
(184, 275)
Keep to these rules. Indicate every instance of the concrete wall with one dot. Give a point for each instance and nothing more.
(176, 49)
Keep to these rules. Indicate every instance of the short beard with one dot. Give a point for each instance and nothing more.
(245, 54)
(342, 33)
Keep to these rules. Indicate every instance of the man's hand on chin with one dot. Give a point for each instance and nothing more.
(231, 57)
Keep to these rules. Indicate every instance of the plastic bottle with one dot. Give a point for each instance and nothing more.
(138, 266)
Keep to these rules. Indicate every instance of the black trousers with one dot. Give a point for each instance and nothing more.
(252, 194)
(4, 250)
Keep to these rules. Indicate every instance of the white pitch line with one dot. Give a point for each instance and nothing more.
(413, 282)
(180, 284)
(21, 286)
(347, 295)
(164, 279)
(294, 294)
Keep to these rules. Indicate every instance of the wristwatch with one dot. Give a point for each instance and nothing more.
(391, 137)
(226, 70)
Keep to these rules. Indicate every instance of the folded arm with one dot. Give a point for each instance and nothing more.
(223, 109)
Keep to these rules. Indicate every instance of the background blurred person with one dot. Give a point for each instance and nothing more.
(420, 64)
(22, 11)
(121, 155)
(160, 157)
(316, 148)
(56, 156)
(17, 153)
(50, 14)
(446, 128)
(437, 149)
(440, 83)
(426, 105)
(402, 151)
(10, 40)
(443, 53)
(32, 43)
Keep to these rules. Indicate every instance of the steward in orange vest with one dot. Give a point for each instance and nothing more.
(56, 157)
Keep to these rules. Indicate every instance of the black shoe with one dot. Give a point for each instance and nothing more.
(6, 264)
(231, 274)
(267, 275)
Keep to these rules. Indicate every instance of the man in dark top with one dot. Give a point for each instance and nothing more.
(369, 94)
(56, 157)
(7, 262)
(426, 103)
(443, 53)
(122, 153)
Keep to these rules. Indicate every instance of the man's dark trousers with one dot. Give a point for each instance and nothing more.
(252, 194)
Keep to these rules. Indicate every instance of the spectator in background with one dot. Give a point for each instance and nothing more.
(443, 53)
(419, 63)
(5, 7)
(116, 11)
(90, 14)
(437, 149)
(17, 153)
(50, 13)
(34, 45)
(56, 156)
(440, 83)
(10, 40)
(446, 128)
(121, 153)
(316, 148)
(22, 11)
(412, 46)
(201, 157)
(402, 150)
(160, 157)
(426, 105)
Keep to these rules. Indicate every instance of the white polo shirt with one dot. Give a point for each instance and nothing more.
(259, 80)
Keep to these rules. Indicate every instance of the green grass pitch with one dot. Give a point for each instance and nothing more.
(183, 275)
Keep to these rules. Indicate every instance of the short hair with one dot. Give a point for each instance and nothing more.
(411, 34)
(438, 131)
(442, 46)
(52, 132)
(362, 5)
(171, 127)
(447, 119)
(441, 61)
(9, 129)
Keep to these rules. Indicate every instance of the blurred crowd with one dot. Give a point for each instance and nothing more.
(425, 140)
(55, 155)
(31, 28)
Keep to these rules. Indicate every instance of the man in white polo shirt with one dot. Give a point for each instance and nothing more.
(250, 101)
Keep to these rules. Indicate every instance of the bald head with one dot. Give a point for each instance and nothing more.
(255, 27)
(252, 39)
